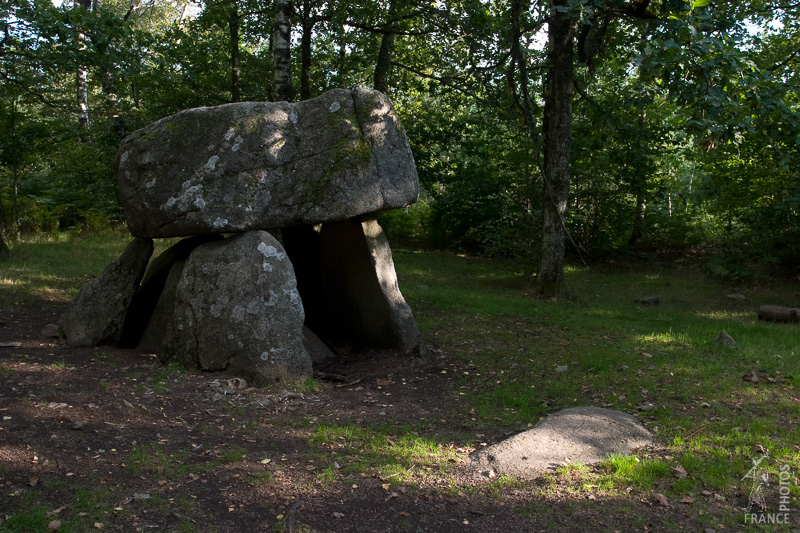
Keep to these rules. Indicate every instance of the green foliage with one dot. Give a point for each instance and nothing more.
(685, 117)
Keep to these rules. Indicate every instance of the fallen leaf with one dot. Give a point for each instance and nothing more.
(679, 472)
(386, 486)
(54, 525)
(403, 513)
(56, 511)
(33, 481)
(660, 498)
(687, 500)
(338, 515)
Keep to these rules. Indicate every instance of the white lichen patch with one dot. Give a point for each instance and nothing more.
(270, 251)
(238, 313)
(123, 157)
(293, 116)
(273, 298)
(200, 203)
(253, 308)
(150, 184)
(216, 310)
(229, 134)
(211, 165)
(292, 294)
(220, 222)
(267, 266)
(189, 196)
(238, 144)
(335, 107)
(264, 356)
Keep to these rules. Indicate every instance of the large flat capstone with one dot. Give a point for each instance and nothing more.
(584, 435)
(265, 165)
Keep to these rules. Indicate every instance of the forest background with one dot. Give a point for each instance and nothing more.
(577, 128)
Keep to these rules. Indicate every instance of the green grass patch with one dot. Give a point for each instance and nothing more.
(518, 358)
(150, 459)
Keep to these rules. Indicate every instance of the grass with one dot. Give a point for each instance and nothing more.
(54, 266)
(517, 358)
(521, 358)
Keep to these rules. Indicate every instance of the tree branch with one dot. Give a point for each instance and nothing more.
(446, 81)
(26, 90)
(785, 62)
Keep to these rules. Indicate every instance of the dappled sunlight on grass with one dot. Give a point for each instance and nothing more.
(528, 357)
(724, 314)
(662, 338)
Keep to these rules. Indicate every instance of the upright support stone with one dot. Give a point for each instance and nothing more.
(363, 299)
(97, 314)
(237, 308)
(153, 303)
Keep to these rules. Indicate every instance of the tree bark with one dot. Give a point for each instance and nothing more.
(281, 51)
(638, 219)
(305, 51)
(233, 27)
(775, 313)
(81, 82)
(384, 63)
(557, 129)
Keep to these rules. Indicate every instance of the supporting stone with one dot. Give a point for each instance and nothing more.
(364, 303)
(97, 314)
(237, 308)
(149, 311)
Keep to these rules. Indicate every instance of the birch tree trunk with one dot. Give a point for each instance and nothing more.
(281, 51)
(81, 82)
(557, 128)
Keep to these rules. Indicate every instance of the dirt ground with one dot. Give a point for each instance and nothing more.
(108, 439)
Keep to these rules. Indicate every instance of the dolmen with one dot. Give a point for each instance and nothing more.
(275, 204)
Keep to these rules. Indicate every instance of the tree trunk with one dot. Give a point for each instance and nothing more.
(342, 63)
(281, 51)
(233, 27)
(384, 63)
(81, 82)
(557, 126)
(305, 51)
(4, 249)
(775, 313)
(638, 219)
